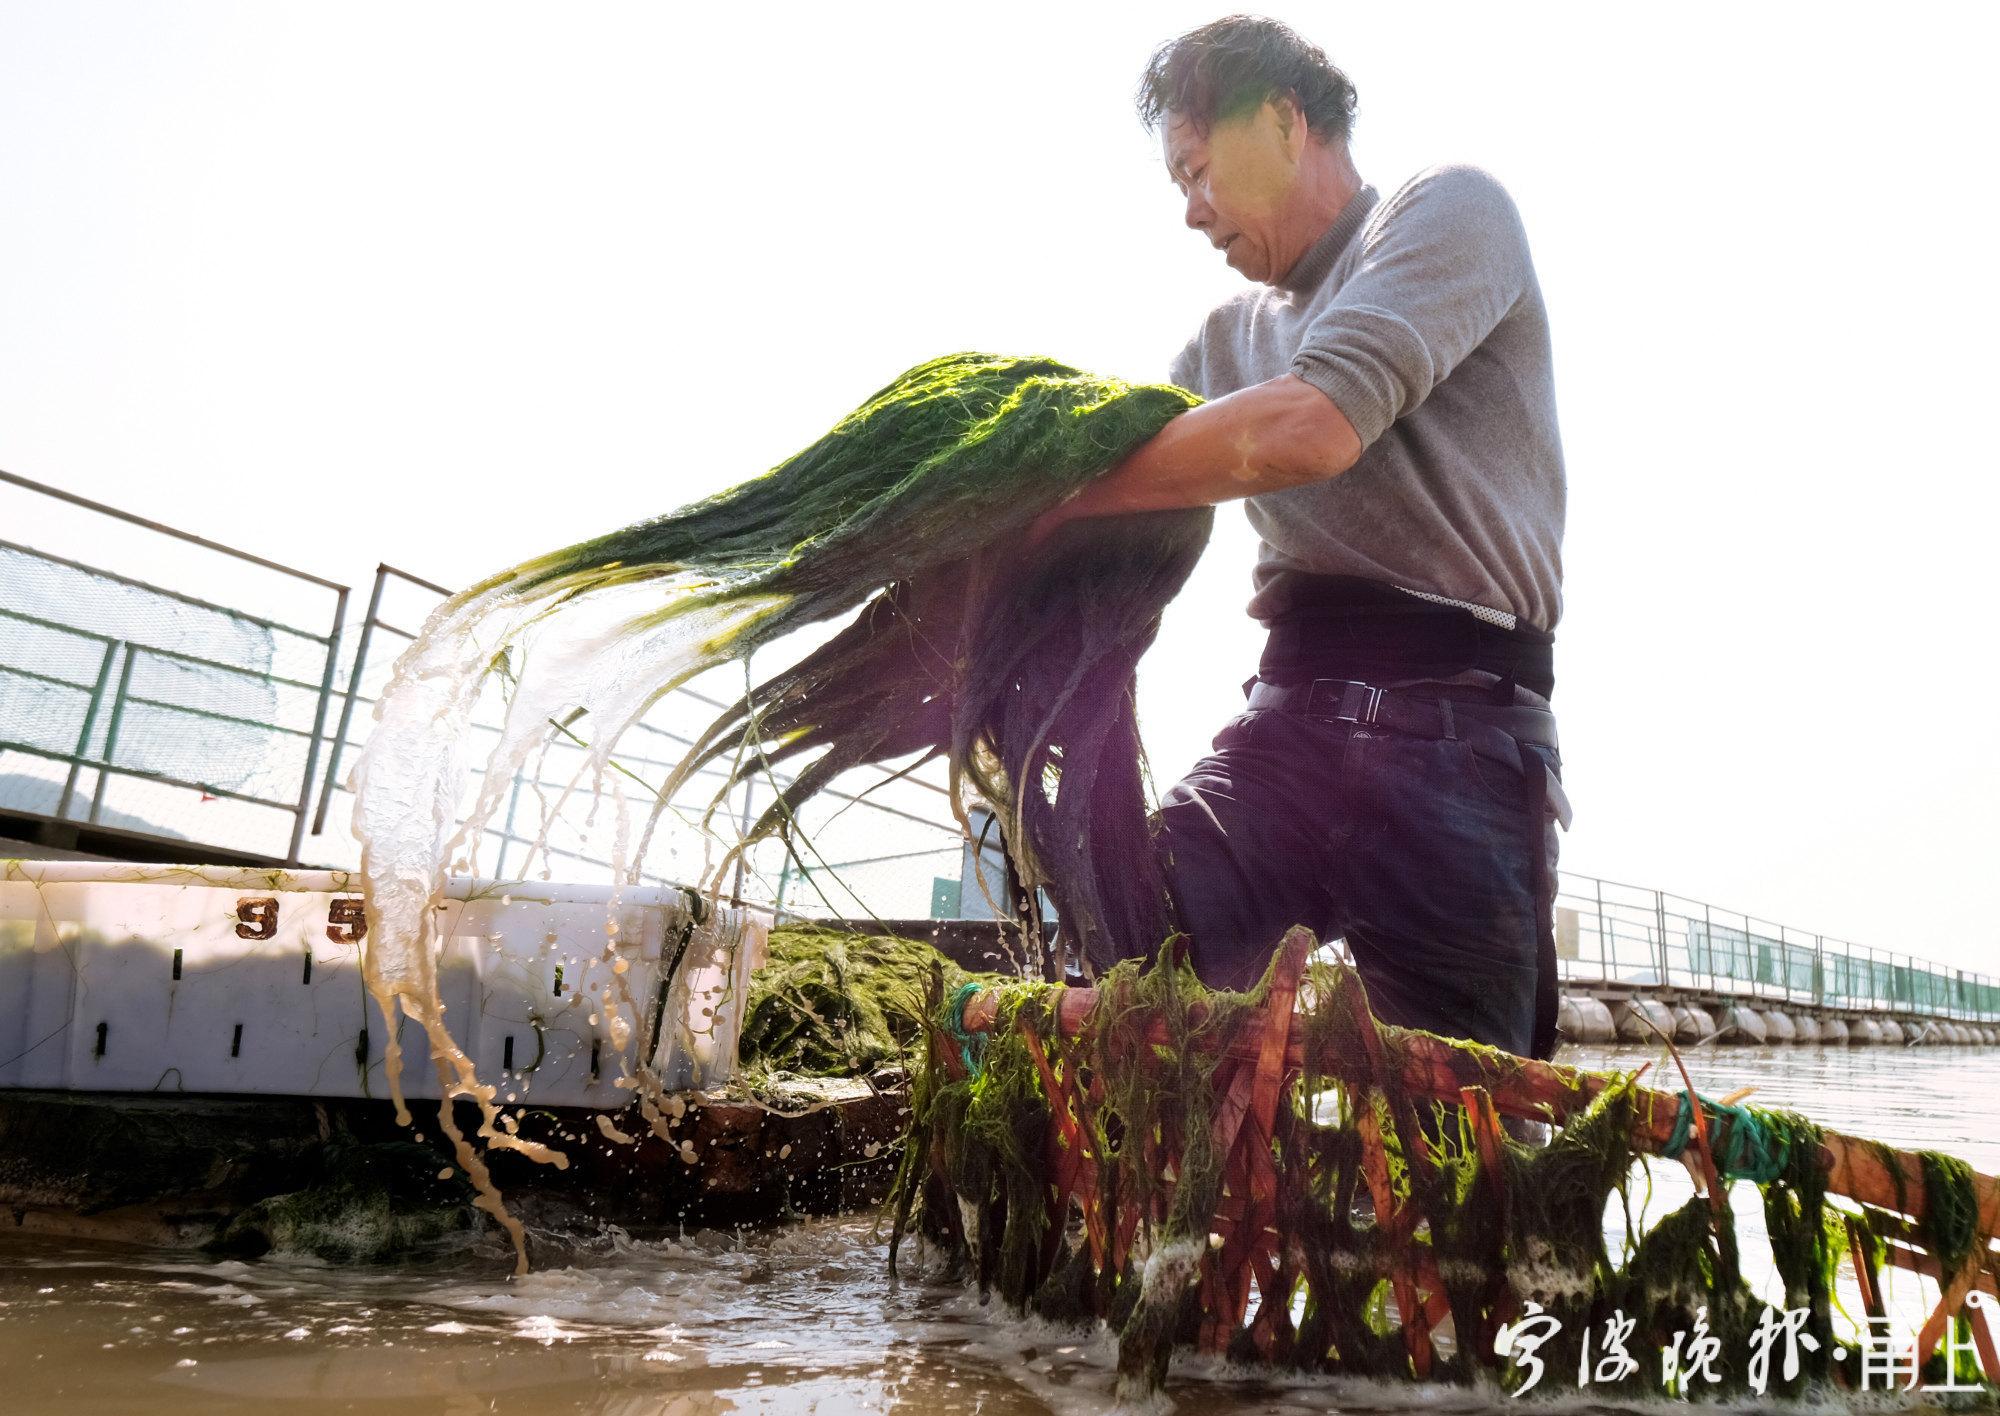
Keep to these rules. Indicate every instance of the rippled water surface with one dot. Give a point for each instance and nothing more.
(798, 1318)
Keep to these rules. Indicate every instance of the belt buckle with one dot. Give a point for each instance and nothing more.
(1359, 702)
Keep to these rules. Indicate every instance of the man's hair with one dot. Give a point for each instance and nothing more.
(1230, 66)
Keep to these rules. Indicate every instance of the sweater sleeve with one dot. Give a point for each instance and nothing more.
(1185, 368)
(1442, 265)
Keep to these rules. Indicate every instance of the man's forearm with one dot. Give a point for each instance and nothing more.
(1273, 435)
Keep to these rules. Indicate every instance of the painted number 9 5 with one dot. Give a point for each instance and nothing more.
(257, 918)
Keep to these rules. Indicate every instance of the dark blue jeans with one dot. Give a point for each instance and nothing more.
(1418, 851)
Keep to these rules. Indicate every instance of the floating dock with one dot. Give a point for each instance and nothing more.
(187, 1055)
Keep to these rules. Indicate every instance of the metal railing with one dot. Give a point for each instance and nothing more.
(154, 703)
(132, 708)
(1615, 935)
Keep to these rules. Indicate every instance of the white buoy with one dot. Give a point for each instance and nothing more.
(1644, 1020)
(1741, 1024)
(1692, 1024)
(1588, 1020)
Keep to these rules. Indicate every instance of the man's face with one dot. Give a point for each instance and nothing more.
(1238, 179)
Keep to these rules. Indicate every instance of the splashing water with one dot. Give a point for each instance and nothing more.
(410, 779)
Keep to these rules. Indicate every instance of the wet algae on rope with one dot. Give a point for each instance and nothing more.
(1277, 1177)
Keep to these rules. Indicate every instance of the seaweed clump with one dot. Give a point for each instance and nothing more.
(363, 1203)
(833, 1003)
(1156, 1033)
(1951, 1209)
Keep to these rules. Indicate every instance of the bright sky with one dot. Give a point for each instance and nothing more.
(450, 285)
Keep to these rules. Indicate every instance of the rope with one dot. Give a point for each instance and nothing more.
(1746, 1148)
(971, 1046)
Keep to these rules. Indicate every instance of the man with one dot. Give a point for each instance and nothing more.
(1384, 400)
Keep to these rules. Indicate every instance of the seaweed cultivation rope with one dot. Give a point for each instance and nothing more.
(971, 1046)
(1081, 1171)
(1750, 1151)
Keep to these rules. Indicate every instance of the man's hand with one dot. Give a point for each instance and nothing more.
(1273, 435)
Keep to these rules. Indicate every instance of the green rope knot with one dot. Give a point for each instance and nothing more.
(971, 1046)
(1746, 1148)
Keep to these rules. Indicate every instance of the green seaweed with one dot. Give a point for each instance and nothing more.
(360, 1203)
(832, 1003)
(1160, 1098)
(1951, 1209)
(1807, 1239)
(1016, 665)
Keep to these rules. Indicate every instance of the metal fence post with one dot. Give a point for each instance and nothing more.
(1708, 932)
(1660, 939)
(742, 836)
(318, 727)
(506, 827)
(1602, 968)
(111, 729)
(354, 670)
(784, 880)
(89, 727)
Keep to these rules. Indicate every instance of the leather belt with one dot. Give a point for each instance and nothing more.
(1495, 732)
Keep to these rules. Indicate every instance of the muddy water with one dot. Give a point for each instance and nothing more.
(794, 1319)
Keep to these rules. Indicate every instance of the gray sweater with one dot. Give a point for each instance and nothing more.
(1421, 318)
